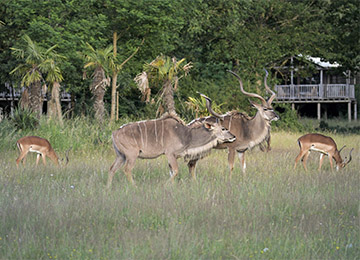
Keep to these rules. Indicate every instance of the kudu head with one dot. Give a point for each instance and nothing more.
(221, 132)
(340, 163)
(265, 109)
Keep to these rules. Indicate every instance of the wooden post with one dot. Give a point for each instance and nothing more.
(349, 111)
(318, 111)
(321, 86)
(293, 106)
(355, 111)
(117, 105)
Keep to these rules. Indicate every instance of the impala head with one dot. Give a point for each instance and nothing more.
(265, 108)
(346, 161)
(66, 159)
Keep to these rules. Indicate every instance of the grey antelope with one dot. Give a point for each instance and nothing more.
(38, 145)
(323, 144)
(249, 131)
(167, 135)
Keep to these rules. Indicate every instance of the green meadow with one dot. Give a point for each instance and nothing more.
(271, 212)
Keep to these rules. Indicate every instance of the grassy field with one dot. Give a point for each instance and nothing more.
(271, 212)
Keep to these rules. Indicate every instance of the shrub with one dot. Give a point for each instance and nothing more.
(24, 119)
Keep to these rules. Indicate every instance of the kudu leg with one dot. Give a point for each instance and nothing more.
(191, 166)
(129, 165)
(174, 168)
(231, 161)
(241, 156)
(119, 161)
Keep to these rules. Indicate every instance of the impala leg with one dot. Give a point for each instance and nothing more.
(37, 159)
(119, 161)
(305, 159)
(22, 157)
(330, 160)
(231, 160)
(43, 159)
(241, 156)
(297, 159)
(321, 160)
(191, 166)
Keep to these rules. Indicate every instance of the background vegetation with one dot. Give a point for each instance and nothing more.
(214, 35)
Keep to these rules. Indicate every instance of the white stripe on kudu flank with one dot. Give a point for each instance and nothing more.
(141, 135)
(162, 132)
(132, 133)
(146, 134)
(156, 138)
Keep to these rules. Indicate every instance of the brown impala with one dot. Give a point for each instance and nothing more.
(249, 131)
(323, 144)
(38, 145)
(167, 135)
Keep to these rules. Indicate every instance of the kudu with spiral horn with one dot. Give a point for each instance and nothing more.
(249, 131)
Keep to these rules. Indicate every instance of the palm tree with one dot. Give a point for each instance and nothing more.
(54, 77)
(115, 67)
(100, 61)
(168, 71)
(31, 71)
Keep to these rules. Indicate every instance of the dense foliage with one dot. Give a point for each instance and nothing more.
(214, 35)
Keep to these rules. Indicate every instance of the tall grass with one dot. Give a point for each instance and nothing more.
(271, 212)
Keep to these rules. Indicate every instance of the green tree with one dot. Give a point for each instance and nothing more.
(34, 60)
(166, 70)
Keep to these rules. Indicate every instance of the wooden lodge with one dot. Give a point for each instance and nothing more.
(326, 84)
(9, 98)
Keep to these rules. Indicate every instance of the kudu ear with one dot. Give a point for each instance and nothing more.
(208, 126)
(254, 104)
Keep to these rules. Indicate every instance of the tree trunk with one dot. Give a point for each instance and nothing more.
(35, 98)
(54, 107)
(169, 97)
(24, 100)
(98, 87)
(114, 80)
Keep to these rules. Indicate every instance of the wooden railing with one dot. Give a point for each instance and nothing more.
(64, 96)
(315, 92)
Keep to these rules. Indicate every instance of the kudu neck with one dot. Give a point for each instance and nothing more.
(259, 123)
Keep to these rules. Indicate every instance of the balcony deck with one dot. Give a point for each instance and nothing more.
(6, 96)
(315, 93)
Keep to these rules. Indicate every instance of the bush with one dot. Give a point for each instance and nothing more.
(289, 120)
(24, 119)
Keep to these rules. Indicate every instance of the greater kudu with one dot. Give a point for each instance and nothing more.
(249, 131)
(167, 135)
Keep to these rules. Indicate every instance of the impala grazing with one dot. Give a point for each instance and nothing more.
(167, 135)
(323, 144)
(249, 131)
(38, 145)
